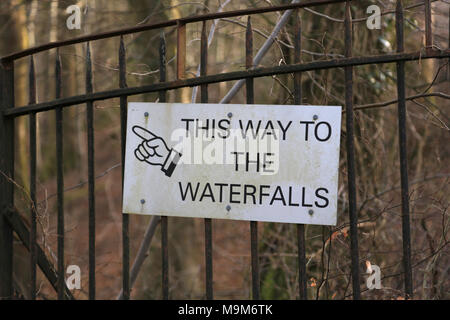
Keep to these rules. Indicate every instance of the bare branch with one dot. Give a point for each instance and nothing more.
(261, 53)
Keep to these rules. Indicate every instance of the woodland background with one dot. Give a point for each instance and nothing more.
(27, 23)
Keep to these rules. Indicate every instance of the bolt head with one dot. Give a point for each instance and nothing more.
(311, 212)
(228, 207)
(142, 201)
(230, 114)
(146, 114)
(315, 117)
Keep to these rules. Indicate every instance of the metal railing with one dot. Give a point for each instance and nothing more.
(11, 222)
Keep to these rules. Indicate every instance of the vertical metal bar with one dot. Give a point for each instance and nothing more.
(59, 178)
(6, 176)
(91, 177)
(302, 288)
(208, 221)
(253, 224)
(164, 220)
(32, 136)
(208, 259)
(255, 259)
(181, 50)
(165, 257)
(204, 63)
(428, 30)
(249, 60)
(162, 65)
(351, 156)
(406, 230)
(297, 58)
(123, 131)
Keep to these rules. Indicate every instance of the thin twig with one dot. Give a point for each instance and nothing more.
(386, 103)
(261, 53)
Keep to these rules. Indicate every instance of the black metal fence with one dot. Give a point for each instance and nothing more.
(11, 222)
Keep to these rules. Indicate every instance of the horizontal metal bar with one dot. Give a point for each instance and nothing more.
(230, 76)
(158, 25)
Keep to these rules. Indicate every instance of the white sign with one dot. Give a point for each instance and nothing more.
(275, 163)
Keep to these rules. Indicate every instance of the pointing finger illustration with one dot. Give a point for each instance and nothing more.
(154, 151)
(143, 151)
(143, 133)
(138, 155)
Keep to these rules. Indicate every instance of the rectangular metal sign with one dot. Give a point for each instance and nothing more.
(275, 163)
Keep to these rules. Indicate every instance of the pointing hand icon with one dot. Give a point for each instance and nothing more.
(154, 151)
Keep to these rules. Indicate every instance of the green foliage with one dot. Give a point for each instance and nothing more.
(273, 285)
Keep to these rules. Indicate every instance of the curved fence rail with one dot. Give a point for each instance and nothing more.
(11, 222)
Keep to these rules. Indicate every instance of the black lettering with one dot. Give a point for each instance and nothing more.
(284, 129)
(187, 125)
(206, 128)
(224, 128)
(292, 204)
(221, 185)
(234, 193)
(303, 199)
(307, 123)
(205, 194)
(281, 197)
(249, 125)
(188, 187)
(236, 162)
(321, 197)
(252, 194)
(269, 132)
(316, 129)
(267, 163)
(261, 192)
(248, 161)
